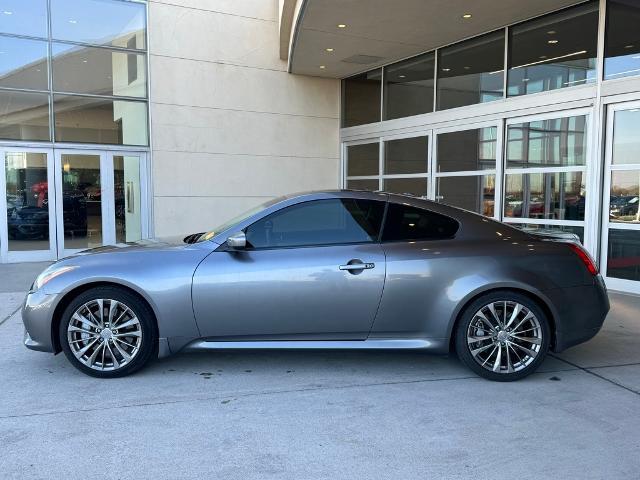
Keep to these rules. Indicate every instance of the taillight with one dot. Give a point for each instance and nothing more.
(585, 257)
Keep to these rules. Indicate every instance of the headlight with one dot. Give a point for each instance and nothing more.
(51, 273)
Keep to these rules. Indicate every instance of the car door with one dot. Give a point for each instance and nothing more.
(313, 270)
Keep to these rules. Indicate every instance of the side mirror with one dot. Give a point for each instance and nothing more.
(237, 241)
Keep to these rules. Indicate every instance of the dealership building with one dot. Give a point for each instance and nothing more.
(123, 119)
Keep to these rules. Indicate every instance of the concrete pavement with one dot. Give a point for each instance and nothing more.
(317, 415)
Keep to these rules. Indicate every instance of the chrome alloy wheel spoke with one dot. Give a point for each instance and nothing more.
(504, 337)
(104, 334)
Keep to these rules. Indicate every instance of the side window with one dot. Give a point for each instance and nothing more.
(319, 222)
(410, 223)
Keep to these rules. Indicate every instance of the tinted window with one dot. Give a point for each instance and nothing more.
(622, 44)
(408, 87)
(320, 222)
(471, 72)
(361, 98)
(410, 223)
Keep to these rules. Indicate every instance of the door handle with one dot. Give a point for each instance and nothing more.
(357, 266)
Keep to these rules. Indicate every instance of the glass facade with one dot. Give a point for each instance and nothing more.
(555, 51)
(94, 47)
(471, 72)
(622, 39)
(408, 87)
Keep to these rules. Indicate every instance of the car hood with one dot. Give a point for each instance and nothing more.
(159, 243)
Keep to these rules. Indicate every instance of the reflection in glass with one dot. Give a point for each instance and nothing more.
(626, 138)
(558, 195)
(27, 201)
(623, 259)
(98, 71)
(410, 186)
(371, 185)
(102, 22)
(406, 155)
(408, 87)
(475, 193)
(24, 17)
(23, 63)
(99, 120)
(557, 142)
(126, 173)
(81, 201)
(622, 41)
(554, 51)
(467, 150)
(579, 231)
(361, 98)
(624, 197)
(24, 116)
(363, 160)
(471, 72)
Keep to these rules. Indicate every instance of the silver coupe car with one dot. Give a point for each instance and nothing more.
(324, 270)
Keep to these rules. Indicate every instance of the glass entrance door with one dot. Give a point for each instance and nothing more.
(27, 205)
(100, 199)
(621, 215)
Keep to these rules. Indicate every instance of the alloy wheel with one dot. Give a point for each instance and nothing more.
(104, 334)
(504, 337)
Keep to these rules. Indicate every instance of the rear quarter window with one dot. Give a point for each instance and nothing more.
(408, 223)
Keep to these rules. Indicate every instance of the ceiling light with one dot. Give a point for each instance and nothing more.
(322, 67)
(551, 32)
(467, 15)
(446, 69)
(329, 49)
(466, 68)
(73, 21)
(342, 25)
(552, 42)
(525, 79)
(626, 46)
(402, 76)
(7, 12)
(84, 61)
(543, 57)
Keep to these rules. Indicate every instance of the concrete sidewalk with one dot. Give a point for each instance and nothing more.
(316, 415)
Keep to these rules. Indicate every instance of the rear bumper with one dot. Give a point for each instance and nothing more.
(580, 313)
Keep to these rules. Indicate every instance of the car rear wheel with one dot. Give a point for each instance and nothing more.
(503, 336)
(108, 332)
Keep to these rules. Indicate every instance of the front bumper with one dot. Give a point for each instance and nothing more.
(37, 315)
(580, 313)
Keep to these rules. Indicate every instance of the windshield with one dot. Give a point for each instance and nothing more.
(235, 220)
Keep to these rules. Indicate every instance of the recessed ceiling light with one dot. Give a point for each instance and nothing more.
(525, 79)
(467, 15)
(329, 49)
(342, 25)
(629, 46)
(322, 67)
(73, 21)
(446, 69)
(543, 57)
(7, 12)
(466, 68)
(85, 61)
(402, 76)
(551, 32)
(552, 42)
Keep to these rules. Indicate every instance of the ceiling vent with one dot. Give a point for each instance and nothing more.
(362, 59)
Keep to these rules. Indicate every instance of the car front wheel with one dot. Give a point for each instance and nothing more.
(503, 336)
(107, 332)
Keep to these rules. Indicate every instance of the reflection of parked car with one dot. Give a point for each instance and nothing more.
(31, 221)
(623, 206)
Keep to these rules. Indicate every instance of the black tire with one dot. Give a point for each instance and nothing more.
(464, 348)
(148, 341)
